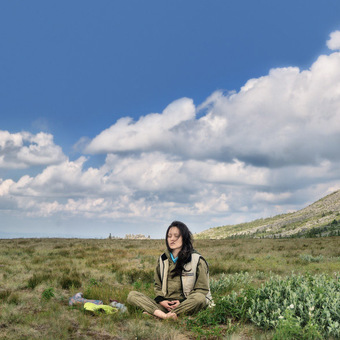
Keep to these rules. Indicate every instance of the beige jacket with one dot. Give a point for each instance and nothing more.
(195, 278)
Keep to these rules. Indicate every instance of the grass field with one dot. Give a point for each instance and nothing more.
(38, 276)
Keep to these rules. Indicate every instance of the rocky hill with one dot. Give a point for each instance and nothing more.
(322, 217)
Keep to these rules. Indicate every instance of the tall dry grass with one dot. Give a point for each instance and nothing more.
(38, 276)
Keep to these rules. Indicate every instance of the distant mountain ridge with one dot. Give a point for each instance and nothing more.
(314, 218)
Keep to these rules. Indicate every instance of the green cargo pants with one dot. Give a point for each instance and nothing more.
(192, 304)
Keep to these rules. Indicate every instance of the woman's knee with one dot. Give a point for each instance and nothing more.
(132, 297)
(200, 300)
(203, 300)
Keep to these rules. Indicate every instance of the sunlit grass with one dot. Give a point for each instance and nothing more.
(38, 276)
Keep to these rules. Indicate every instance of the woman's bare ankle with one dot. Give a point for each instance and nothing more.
(159, 314)
(163, 315)
(171, 315)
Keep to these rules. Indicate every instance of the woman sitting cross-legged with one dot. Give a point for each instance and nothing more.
(181, 278)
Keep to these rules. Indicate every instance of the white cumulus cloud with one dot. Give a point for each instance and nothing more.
(286, 117)
(23, 149)
(334, 42)
(269, 148)
(149, 132)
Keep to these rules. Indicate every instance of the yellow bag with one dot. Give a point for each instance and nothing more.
(92, 307)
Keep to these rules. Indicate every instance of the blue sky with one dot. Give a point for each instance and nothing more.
(230, 106)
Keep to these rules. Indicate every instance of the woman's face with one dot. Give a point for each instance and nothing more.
(174, 238)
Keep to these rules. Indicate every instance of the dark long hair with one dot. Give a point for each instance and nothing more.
(184, 256)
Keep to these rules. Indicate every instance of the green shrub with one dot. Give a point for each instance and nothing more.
(215, 269)
(298, 307)
(115, 267)
(289, 328)
(4, 294)
(36, 279)
(13, 299)
(232, 306)
(309, 258)
(225, 283)
(48, 293)
(310, 299)
(134, 275)
(66, 281)
(93, 282)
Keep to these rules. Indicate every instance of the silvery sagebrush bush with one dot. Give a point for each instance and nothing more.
(228, 282)
(309, 299)
(313, 298)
